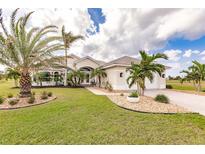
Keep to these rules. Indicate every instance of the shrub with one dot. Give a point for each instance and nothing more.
(13, 101)
(134, 94)
(50, 94)
(168, 86)
(44, 95)
(33, 93)
(10, 95)
(162, 98)
(1, 99)
(121, 94)
(31, 100)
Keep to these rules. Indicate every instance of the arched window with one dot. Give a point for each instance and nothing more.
(121, 74)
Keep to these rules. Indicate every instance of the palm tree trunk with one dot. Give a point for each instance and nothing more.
(15, 82)
(66, 70)
(143, 88)
(138, 89)
(25, 84)
(99, 81)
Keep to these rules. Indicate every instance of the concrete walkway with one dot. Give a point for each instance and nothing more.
(192, 102)
(97, 91)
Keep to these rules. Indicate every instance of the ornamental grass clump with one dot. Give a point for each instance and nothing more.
(44, 95)
(162, 98)
(134, 94)
(31, 100)
(50, 94)
(13, 101)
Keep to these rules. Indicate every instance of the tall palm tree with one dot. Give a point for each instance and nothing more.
(25, 48)
(13, 74)
(99, 73)
(195, 74)
(145, 69)
(68, 39)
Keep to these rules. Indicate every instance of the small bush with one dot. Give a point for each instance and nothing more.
(1, 99)
(134, 94)
(44, 95)
(50, 94)
(162, 98)
(10, 95)
(168, 86)
(13, 101)
(121, 94)
(31, 100)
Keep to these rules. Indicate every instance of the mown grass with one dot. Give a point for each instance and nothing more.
(80, 117)
(185, 86)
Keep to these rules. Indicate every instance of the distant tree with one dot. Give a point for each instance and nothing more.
(13, 74)
(195, 74)
(2, 75)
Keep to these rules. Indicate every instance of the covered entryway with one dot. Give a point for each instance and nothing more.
(192, 102)
(87, 78)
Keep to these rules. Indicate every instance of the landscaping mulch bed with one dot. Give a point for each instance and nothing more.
(23, 102)
(147, 104)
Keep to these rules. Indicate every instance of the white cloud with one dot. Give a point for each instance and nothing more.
(126, 31)
(202, 53)
(189, 52)
(203, 58)
(173, 55)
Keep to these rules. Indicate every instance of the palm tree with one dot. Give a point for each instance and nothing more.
(99, 73)
(145, 69)
(68, 39)
(25, 49)
(76, 77)
(195, 74)
(13, 74)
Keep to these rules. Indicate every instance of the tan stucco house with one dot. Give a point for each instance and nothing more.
(115, 70)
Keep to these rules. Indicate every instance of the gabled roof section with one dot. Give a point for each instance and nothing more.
(70, 56)
(90, 58)
(122, 61)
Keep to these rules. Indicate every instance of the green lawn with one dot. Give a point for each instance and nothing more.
(80, 117)
(185, 86)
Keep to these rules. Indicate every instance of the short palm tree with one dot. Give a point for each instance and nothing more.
(25, 48)
(145, 69)
(68, 39)
(99, 73)
(13, 74)
(76, 77)
(195, 74)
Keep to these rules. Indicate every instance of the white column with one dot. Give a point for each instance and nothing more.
(65, 77)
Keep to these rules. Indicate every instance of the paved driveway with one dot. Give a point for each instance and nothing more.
(192, 102)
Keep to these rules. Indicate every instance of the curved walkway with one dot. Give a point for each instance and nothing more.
(192, 102)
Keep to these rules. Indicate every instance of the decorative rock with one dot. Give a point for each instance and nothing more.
(147, 104)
